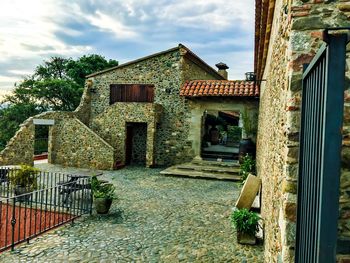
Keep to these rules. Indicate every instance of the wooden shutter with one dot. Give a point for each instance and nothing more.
(131, 93)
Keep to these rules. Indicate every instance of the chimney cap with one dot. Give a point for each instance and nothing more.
(221, 65)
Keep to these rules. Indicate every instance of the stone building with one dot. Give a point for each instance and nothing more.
(148, 111)
(288, 34)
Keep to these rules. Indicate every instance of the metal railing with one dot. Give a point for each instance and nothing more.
(58, 199)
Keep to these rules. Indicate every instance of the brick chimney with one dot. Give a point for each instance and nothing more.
(222, 69)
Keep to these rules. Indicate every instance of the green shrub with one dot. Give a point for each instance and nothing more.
(247, 166)
(250, 123)
(245, 221)
(102, 190)
(234, 133)
(26, 176)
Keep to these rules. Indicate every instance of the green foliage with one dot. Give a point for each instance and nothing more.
(101, 190)
(247, 166)
(234, 133)
(56, 84)
(250, 123)
(245, 221)
(26, 176)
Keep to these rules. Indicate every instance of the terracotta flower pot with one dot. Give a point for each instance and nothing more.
(102, 205)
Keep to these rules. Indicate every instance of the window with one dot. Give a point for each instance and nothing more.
(131, 93)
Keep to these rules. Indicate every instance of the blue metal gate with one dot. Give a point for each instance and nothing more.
(320, 153)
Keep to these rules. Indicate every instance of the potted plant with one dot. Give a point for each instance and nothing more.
(246, 224)
(103, 195)
(247, 166)
(250, 127)
(24, 181)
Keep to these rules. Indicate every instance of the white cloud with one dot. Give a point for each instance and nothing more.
(110, 24)
(33, 30)
(212, 15)
(27, 32)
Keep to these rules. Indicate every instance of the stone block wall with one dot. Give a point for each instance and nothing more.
(296, 35)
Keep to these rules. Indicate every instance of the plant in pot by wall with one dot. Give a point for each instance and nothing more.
(246, 224)
(247, 166)
(250, 128)
(103, 195)
(24, 180)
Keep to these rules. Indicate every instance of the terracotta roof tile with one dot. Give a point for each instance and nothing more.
(203, 88)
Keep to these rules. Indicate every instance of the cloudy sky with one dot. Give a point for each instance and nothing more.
(33, 30)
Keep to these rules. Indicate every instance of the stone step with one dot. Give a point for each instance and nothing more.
(222, 155)
(232, 163)
(209, 168)
(173, 171)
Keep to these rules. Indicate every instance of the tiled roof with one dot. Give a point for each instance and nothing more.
(229, 88)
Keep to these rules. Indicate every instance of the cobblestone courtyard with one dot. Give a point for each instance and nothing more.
(157, 219)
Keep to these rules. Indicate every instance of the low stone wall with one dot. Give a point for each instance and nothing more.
(20, 149)
(71, 143)
(76, 145)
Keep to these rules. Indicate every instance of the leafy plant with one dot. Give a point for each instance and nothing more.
(247, 166)
(245, 221)
(26, 176)
(234, 133)
(250, 123)
(102, 190)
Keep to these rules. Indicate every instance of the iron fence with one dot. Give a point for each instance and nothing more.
(58, 199)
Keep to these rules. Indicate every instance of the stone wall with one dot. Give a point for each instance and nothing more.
(111, 126)
(20, 149)
(167, 72)
(71, 143)
(199, 105)
(296, 35)
(74, 144)
(344, 200)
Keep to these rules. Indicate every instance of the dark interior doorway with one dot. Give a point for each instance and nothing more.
(136, 143)
(220, 135)
(41, 142)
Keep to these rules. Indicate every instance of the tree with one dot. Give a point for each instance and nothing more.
(56, 84)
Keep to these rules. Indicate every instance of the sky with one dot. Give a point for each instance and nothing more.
(34, 30)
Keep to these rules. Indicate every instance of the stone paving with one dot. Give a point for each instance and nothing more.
(156, 219)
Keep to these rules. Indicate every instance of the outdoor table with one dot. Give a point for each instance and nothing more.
(72, 185)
